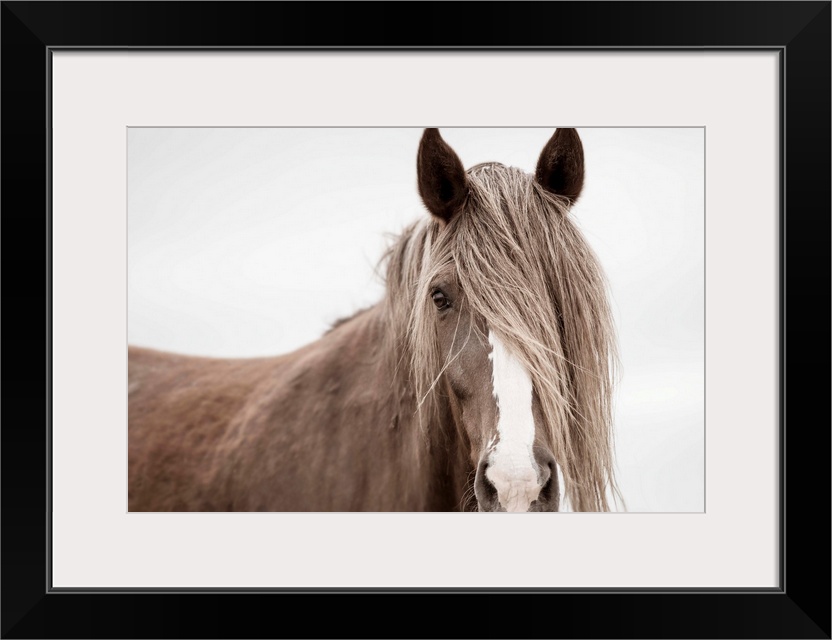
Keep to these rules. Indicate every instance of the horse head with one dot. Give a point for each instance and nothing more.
(508, 326)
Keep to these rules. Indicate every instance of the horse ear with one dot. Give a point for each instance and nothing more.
(560, 168)
(442, 182)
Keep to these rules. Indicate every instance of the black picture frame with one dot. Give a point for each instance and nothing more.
(798, 608)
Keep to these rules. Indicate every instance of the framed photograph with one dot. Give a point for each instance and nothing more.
(214, 194)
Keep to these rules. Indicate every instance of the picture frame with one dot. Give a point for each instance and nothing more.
(799, 31)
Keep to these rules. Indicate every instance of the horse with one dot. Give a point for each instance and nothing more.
(481, 381)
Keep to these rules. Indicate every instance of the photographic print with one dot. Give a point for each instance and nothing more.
(451, 319)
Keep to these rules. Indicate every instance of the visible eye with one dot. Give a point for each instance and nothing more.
(440, 300)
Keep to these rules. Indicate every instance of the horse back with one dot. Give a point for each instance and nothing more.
(179, 411)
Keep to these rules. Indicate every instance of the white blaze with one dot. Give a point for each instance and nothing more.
(511, 464)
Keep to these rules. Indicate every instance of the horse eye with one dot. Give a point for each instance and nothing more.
(440, 300)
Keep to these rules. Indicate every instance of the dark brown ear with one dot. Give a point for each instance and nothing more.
(442, 182)
(560, 168)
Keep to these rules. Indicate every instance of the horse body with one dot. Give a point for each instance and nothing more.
(306, 431)
(481, 381)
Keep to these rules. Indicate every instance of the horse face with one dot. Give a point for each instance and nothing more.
(492, 394)
(495, 408)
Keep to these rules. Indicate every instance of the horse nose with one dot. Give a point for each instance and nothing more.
(502, 488)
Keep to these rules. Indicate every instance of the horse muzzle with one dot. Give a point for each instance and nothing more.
(518, 489)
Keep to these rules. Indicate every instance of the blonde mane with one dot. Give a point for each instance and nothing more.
(525, 268)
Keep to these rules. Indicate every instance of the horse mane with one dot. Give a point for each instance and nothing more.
(345, 319)
(525, 268)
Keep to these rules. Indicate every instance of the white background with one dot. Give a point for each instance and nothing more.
(250, 242)
(96, 96)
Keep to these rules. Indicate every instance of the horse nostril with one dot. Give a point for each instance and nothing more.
(484, 489)
(549, 490)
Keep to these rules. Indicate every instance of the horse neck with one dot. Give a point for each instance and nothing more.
(423, 456)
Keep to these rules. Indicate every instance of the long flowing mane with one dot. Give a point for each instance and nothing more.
(526, 270)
